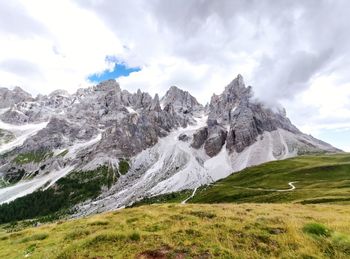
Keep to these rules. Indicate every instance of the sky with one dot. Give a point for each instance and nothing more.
(294, 53)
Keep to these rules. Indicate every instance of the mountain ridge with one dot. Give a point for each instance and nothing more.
(170, 143)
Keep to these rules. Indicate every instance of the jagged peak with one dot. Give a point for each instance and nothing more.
(108, 85)
(60, 92)
(237, 83)
(176, 89)
(155, 104)
(20, 90)
(180, 99)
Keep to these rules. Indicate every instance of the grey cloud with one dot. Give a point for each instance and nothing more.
(291, 41)
(20, 67)
(15, 20)
(284, 76)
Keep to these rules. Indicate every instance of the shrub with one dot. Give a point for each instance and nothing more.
(203, 214)
(134, 236)
(75, 234)
(99, 223)
(123, 166)
(316, 229)
(34, 237)
(30, 249)
(105, 238)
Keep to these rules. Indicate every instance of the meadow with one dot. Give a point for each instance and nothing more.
(189, 231)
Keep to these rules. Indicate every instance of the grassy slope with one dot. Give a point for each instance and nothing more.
(220, 231)
(247, 230)
(318, 179)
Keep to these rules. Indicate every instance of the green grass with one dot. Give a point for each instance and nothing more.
(318, 179)
(308, 222)
(190, 231)
(317, 229)
(32, 157)
(123, 166)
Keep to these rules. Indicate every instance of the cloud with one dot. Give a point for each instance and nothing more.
(292, 52)
(16, 20)
(20, 67)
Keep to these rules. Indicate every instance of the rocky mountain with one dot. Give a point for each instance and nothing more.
(11, 97)
(151, 145)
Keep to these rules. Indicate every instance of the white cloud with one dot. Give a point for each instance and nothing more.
(76, 47)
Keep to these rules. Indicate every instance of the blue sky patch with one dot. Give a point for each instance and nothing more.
(118, 70)
(338, 138)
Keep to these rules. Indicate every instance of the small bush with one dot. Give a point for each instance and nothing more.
(78, 233)
(99, 223)
(4, 238)
(316, 229)
(131, 220)
(153, 228)
(30, 249)
(40, 236)
(203, 214)
(134, 236)
(192, 232)
(123, 166)
(105, 238)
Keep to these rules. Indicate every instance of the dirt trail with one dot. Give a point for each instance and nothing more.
(193, 193)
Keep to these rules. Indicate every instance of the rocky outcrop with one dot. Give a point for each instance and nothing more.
(245, 118)
(199, 137)
(59, 133)
(216, 139)
(11, 97)
(182, 101)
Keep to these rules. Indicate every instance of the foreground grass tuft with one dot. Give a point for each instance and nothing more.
(316, 229)
(34, 237)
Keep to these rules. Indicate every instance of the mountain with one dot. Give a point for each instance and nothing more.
(11, 97)
(128, 146)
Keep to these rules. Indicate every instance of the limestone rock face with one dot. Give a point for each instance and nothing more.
(185, 106)
(199, 137)
(182, 101)
(58, 133)
(11, 97)
(216, 140)
(246, 118)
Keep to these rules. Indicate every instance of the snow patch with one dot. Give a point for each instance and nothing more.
(21, 132)
(130, 110)
(25, 187)
(78, 146)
